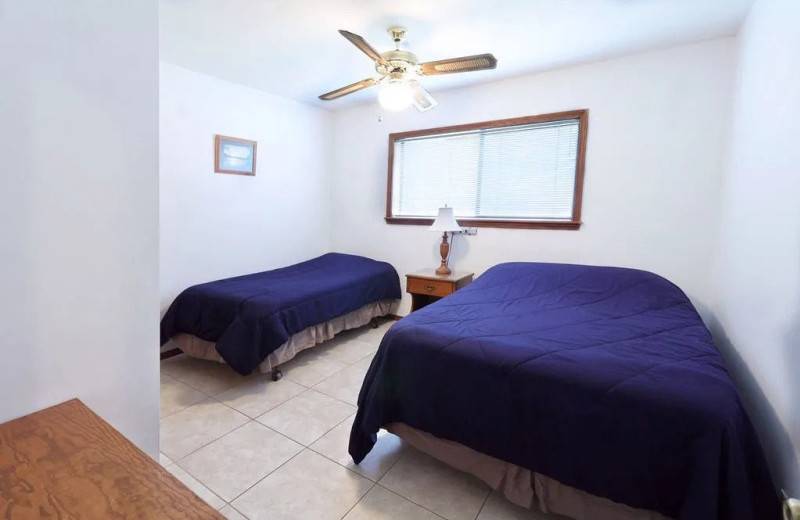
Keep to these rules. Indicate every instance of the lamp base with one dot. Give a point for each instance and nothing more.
(443, 271)
(444, 250)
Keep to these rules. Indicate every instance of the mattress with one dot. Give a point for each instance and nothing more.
(249, 317)
(603, 379)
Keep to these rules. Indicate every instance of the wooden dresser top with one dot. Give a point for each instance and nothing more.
(65, 462)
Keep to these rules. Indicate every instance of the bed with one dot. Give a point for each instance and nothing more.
(261, 320)
(593, 392)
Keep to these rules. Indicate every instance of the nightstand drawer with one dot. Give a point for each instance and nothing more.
(427, 287)
(431, 287)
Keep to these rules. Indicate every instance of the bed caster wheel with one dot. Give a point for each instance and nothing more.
(277, 374)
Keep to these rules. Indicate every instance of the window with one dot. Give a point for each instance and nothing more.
(523, 172)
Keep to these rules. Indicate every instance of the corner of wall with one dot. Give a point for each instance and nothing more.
(756, 267)
(328, 149)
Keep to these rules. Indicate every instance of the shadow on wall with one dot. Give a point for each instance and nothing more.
(775, 440)
(792, 347)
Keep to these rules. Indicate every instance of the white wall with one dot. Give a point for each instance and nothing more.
(654, 165)
(217, 225)
(758, 264)
(79, 210)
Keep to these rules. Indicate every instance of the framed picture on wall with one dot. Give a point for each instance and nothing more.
(234, 155)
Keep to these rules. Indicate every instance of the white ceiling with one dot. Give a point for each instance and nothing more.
(292, 47)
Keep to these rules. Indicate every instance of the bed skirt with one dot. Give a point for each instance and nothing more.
(306, 338)
(521, 486)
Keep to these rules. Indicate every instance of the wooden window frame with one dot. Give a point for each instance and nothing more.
(573, 224)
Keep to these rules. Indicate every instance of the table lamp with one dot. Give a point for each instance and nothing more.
(445, 223)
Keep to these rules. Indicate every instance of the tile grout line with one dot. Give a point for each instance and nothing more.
(264, 413)
(281, 434)
(351, 469)
(324, 378)
(249, 420)
(303, 448)
(345, 467)
(337, 373)
(392, 465)
(333, 428)
(409, 500)
(374, 483)
(176, 461)
(378, 483)
(489, 490)
(161, 371)
(252, 419)
(349, 365)
(234, 508)
(485, 499)
(160, 375)
(237, 497)
(161, 418)
(199, 482)
(342, 465)
(359, 500)
(308, 447)
(213, 397)
(298, 395)
(363, 358)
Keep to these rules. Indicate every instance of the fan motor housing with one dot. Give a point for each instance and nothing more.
(400, 61)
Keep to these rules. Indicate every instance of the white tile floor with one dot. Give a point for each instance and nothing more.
(254, 448)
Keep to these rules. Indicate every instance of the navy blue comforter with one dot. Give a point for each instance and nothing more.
(250, 316)
(604, 379)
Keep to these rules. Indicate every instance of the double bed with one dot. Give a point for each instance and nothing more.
(261, 320)
(592, 392)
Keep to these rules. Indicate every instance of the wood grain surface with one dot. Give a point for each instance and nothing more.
(66, 463)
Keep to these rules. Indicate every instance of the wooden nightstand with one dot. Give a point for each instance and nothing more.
(426, 286)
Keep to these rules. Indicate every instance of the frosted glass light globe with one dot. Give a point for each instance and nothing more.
(395, 96)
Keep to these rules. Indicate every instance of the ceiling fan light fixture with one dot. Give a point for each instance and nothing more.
(395, 96)
(399, 70)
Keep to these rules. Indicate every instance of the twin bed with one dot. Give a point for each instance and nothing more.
(592, 392)
(258, 321)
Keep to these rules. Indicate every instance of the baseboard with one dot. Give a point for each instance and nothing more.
(171, 353)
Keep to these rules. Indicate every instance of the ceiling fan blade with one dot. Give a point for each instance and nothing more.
(366, 48)
(349, 89)
(463, 64)
(423, 101)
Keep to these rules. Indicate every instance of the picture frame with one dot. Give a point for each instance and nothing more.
(234, 155)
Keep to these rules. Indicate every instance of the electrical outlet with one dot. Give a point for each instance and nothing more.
(468, 231)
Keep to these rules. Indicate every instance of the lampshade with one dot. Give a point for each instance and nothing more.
(445, 221)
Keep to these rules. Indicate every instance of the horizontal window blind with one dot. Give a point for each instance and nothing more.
(513, 172)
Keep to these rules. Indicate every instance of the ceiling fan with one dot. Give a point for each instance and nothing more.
(398, 71)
